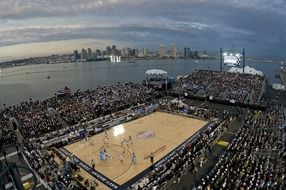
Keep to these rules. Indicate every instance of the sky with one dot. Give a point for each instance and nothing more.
(43, 27)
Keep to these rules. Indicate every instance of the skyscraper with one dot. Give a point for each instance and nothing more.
(135, 52)
(83, 54)
(145, 52)
(125, 52)
(162, 50)
(108, 50)
(113, 50)
(76, 55)
(90, 54)
(173, 52)
(196, 54)
(186, 52)
(98, 52)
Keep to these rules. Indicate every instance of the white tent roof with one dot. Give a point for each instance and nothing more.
(155, 72)
(278, 87)
(247, 70)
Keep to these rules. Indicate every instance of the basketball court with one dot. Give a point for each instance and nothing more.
(159, 133)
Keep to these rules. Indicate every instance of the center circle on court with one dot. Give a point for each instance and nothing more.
(108, 166)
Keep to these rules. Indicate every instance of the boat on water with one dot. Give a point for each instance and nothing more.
(48, 77)
(63, 92)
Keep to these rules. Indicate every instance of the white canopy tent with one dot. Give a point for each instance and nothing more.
(156, 77)
(156, 72)
(247, 70)
(278, 87)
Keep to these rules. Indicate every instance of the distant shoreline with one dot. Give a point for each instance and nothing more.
(26, 62)
(30, 61)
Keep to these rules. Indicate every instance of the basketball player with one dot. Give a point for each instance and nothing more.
(130, 139)
(152, 157)
(105, 141)
(121, 158)
(133, 158)
(106, 155)
(85, 139)
(93, 164)
(101, 155)
(123, 143)
(126, 142)
(106, 134)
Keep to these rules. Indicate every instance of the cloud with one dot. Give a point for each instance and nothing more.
(38, 27)
(274, 6)
(197, 23)
(126, 30)
(22, 9)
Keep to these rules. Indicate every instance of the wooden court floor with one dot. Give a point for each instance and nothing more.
(158, 132)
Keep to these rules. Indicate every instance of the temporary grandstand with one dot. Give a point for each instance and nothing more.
(222, 87)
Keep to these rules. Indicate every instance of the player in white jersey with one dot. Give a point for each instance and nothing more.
(106, 134)
(121, 158)
(105, 141)
(134, 160)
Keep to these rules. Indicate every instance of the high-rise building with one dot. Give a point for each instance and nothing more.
(76, 55)
(186, 52)
(84, 54)
(98, 52)
(195, 54)
(89, 53)
(108, 50)
(134, 52)
(145, 52)
(162, 50)
(140, 54)
(191, 53)
(113, 50)
(173, 52)
(125, 52)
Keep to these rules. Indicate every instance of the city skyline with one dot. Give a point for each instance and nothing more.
(29, 30)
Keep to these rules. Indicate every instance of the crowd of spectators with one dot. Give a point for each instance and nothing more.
(34, 119)
(256, 158)
(59, 176)
(90, 104)
(183, 107)
(242, 88)
(7, 134)
(71, 109)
